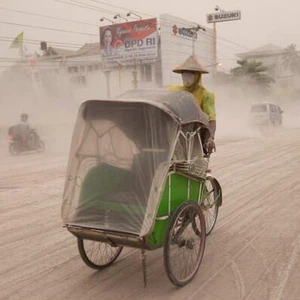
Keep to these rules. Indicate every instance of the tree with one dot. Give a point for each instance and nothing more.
(291, 59)
(253, 73)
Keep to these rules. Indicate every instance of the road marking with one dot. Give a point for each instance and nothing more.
(286, 273)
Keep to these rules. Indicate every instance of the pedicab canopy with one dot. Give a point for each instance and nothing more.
(120, 155)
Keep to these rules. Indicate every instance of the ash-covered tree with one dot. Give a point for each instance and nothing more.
(253, 75)
(291, 59)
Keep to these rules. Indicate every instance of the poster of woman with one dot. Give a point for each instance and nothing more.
(129, 42)
(107, 43)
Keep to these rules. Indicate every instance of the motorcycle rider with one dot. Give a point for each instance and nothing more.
(191, 71)
(23, 129)
(24, 138)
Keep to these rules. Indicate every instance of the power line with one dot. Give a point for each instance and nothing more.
(208, 33)
(89, 34)
(47, 28)
(228, 58)
(55, 64)
(226, 46)
(185, 45)
(45, 16)
(92, 7)
(212, 35)
(205, 42)
(189, 46)
(30, 41)
(51, 62)
(166, 50)
(62, 65)
(9, 59)
(119, 7)
(221, 38)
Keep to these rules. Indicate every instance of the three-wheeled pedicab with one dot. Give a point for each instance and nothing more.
(137, 177)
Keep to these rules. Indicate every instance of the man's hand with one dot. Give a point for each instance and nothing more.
(210, 145)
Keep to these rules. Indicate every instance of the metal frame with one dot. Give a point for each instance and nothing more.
(184, 168)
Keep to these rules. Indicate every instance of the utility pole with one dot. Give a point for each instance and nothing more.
(220, 15)
(194, 31)
(21, 52)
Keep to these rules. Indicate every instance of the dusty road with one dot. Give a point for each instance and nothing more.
(253, 252)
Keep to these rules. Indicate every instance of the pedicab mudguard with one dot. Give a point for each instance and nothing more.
(218, 186)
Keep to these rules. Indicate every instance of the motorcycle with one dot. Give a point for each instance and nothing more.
(17, 145)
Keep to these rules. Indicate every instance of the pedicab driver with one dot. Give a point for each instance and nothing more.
(191, 71)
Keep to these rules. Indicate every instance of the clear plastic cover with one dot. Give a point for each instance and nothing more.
(120, 156)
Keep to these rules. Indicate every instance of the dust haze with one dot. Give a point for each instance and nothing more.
(53, 111)
(233, 107)
(44, 262)
(52, 116)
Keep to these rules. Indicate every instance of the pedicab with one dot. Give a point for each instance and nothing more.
(138, 177)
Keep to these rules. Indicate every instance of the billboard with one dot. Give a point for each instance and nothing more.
(130, 42)
(224, 16)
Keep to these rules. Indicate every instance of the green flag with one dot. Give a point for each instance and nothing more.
(18, 41)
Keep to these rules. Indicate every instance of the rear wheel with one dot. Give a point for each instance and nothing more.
(184, 244)
(210, 207)
(97, 255)
(13, 149)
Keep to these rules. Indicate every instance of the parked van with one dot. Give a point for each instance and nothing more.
(266, 113)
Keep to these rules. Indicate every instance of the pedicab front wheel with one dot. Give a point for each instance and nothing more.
(97, 255)
(212, 200)
(184, 244)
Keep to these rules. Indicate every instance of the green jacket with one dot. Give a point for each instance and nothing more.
(205, 99)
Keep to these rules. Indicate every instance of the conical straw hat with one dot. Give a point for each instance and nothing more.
(191, 64)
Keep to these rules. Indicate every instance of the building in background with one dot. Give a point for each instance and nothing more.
(139, 54)
(272, 57)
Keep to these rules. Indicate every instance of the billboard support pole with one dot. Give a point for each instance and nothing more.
(107, 77)
(134, 74)
(120, 77)
(135, 82)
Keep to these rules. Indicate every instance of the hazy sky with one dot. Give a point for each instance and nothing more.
(263, 22)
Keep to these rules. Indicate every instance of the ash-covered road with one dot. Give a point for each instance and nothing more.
(253, 252)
